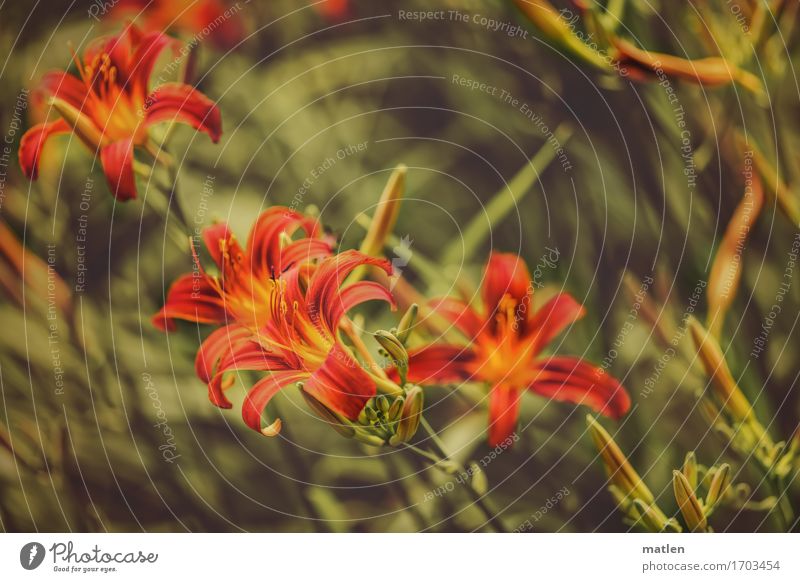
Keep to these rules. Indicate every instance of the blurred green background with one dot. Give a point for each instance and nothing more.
(300, 88)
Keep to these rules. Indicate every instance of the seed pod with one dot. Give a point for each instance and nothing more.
(690, 507)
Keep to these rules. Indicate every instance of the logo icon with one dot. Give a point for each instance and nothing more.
(31, 555)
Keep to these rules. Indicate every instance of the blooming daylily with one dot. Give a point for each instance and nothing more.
(504, 350)
(200, 19)
(283, 312)
(248, 278)
(109, 106)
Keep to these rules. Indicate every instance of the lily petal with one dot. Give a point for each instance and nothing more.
(440, 363)
(117, 159)
(503, 413)
(341, 384)
(179, 102)
(190, 298)
(32, 143)
(260, 395)
(570, 379)
(553, 318)
(506, 274)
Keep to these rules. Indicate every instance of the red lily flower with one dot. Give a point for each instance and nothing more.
(506, 341)
(213, 19)
(108, 106)
(283, 305)
(248, 278)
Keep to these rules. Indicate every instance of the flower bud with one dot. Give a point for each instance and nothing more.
(410, 417)
(618, 469)
(406, 323)
(339, 423)
(385, 216)
(726, 272)
(724, 386)
(478, 480)
(81, 124)
(690, 469)
(719, 484)
(690, 507)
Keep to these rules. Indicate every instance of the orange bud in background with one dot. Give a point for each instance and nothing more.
(726, 271)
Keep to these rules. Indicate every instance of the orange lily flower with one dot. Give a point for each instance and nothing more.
(200, 19)
(248, 277)
(110, 108)
(505, 343)
(283, 303)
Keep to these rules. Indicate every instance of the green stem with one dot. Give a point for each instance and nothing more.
(478, 499)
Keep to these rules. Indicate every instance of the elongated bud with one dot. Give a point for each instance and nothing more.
(618, 469)
(393, 346)
(339, 423)
(396, 409)
(727, 392)
(709, 72)
(726, 272)
(382, 404)
(81, 124)
(406, 323)
(547, 19)
(690, 507)
(719, 484)
(410, 417)
(690, 469)
(386, 213)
